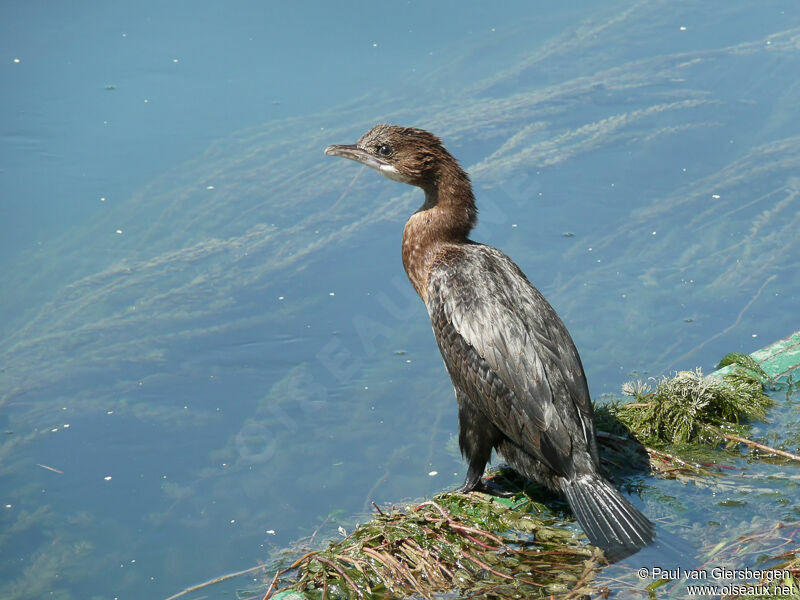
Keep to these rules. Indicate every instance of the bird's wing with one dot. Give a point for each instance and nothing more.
(507, 348)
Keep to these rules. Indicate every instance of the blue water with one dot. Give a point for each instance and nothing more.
(219, 314)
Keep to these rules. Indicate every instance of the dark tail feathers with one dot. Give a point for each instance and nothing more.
(608, 518)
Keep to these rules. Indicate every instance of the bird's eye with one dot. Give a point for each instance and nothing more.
(384, 150)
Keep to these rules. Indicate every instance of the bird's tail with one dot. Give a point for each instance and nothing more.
(609, 520)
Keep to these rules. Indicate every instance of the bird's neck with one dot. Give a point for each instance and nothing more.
(443, 221)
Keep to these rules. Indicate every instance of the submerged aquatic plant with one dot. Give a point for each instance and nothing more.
(770, 548)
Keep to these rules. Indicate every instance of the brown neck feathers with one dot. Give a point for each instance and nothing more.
(444, 221)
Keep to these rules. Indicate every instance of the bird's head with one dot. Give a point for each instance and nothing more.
(405, 154)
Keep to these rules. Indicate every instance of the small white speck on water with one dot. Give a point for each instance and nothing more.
(683, 28)
(147, 100)
(331, 294)
(433, 473)
(270, 531)
(102, 199)
(209, 187)
(110, 412)
(375, 44)
(408, 360)
(9, 506)
(119, 231)
(755, 335)
(16, 61)
(715, 196)
(233, 521)
(654, 233)
(107, 477)
(281, 298)
(513, 225)
(174, 60)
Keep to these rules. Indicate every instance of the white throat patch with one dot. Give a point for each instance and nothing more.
(392, 173)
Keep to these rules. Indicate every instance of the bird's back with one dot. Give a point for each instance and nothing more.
(509, 352)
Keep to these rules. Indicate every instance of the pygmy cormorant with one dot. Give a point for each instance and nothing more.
(517, 375)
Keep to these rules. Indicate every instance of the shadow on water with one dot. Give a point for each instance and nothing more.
(244, 361)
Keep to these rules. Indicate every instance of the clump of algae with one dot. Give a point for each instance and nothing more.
(690, 408)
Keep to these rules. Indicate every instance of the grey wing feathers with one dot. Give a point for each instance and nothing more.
(495, 329)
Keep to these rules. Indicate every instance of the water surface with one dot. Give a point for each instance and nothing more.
(219, 314)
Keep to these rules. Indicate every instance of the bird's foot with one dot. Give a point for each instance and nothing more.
(484, 486)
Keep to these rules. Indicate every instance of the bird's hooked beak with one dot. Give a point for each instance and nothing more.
(353, 152)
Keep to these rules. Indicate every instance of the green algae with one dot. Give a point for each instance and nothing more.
(689, 407)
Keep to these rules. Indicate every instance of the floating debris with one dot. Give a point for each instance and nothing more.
(53, 469)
